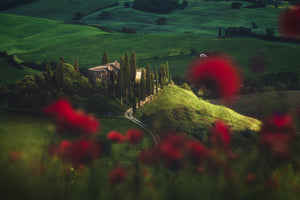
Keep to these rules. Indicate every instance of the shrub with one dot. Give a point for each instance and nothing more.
(126, 5)
(257, 4)
(161, 21)
(193, 51)
(104, 15)
(127, 29)
(236, 5)
(78, 16)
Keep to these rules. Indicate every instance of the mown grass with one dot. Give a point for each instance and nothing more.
(9, 74)
(62, 10)
(27, 132)
(41, 39)
(181, 110)
(199, 17)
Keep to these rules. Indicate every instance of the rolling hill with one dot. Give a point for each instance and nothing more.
(179, 109)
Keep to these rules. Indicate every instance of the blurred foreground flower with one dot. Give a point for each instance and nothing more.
(134, 136)
(117, 176)
(277, 134)
(289, 22)
(77, 152)
(69, 119)
(115, 137)
(219, 73)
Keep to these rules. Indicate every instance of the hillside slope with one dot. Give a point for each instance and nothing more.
(62, 9)
(180, 109)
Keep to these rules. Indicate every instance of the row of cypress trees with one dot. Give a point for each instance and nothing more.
(124, 84)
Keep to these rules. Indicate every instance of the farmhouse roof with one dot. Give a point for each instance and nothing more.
(107, 67)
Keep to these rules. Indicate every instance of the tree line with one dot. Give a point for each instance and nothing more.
(32, 92)
(125, 85)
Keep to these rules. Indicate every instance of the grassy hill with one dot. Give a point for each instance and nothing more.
(62, 9)
(180, 109)
(199, 17)
(9, 74)
(42, 39)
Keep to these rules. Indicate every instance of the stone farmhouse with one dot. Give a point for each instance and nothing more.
(102, 73)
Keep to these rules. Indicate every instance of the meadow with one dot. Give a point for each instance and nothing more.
(41, 39)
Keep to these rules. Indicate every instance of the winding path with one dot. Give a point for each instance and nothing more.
(128, 115)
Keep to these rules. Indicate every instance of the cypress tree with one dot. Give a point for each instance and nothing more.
(133, 100)
(104, 58)
(156, 79)
(48, 71)
(167, 73)
(76, 67)
(139, 93)
(148, 80)
(162, 76)
(59, 74)
(152, 82)
(126, 75)
(133, 67)
(120, 81)
(143, 85)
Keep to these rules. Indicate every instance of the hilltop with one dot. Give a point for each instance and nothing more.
(180, 109)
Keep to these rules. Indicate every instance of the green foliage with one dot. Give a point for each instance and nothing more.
(148, 80)
(120, 80)
(133, 67)
(104, 58)
(186, 86)
(76, 67)
(143, 84)
(156, 79)
(59, 74)
(126, 74)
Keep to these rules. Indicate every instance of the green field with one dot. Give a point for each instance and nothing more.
(60, 10)
(199, 17)
(9, 74)
(180, 109)
(41, 39)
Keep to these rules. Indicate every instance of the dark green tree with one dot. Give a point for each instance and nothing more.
(126, 75)
(162, 76)
(167, 73)
(59, 74)
(104, 58)
(120, 81)
(76, 67)
(139, 93)
(156, 79)
(143, 84)
(133, 100)
(152, 82)
(133, 67)
(148, 80)
(48, 71)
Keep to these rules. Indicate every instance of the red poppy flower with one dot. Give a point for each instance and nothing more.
(196, 151)
(149, 156)
(277, 133)
(289, 22)
(250, 179)
(117, 176)
(14, 156)
(134, 136)
(220, 135)
(78, 152)
(171, 149)
(219, 73)
(71, 120)
(115, 137)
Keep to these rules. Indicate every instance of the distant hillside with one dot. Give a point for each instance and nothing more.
(42, 39)
(9, 74)
(62, 9)
(180, 109)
